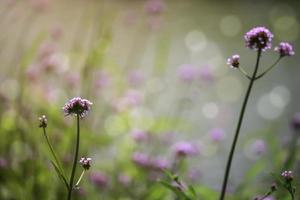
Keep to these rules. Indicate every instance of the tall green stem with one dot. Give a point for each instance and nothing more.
(241, 116)
(75, 160)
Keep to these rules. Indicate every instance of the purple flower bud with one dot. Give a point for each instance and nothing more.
(234, 61)
(43, 121)
(259, 38)
(296, 121)
(284, 49)
(85, 163)
(184, 149)
(287, 175)
(77, 106)
(99, 179)
(124, 180)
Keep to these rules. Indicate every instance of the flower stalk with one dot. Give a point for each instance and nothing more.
(241, 117)
(75, 159)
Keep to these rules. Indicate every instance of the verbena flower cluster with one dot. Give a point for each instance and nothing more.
(43, 121)
(287, 175)
(284, 49)
(85, 162)
(77, 106)
(259, 38)
(234, 61)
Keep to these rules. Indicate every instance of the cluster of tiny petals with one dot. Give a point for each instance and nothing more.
(234, 61)
(43, 121)
(85, 162)
(77, 106)
(259, 38)
(287, 175)
(284, 49)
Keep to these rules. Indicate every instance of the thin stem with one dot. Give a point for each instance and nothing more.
(241, 116)
(269, 68)
(245, 73)
(75, 160)
(78, 182)
(53, 153)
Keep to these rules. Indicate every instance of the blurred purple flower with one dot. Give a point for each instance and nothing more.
(136, 78)
(259, 147)
(160, 164)
(124, 180)
(206, 73)
(72, 79)
(187, 72)
(185, 149)
(141, 159)
(103, 79)
(99, 179)
(258, 38)
(77, 106)
(139, 135)
(217, 134)
(296, 121)
(284, 49)
(234, 61)
(154, 7)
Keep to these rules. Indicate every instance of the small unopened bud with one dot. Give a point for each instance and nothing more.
(43, 121)
(273, 187)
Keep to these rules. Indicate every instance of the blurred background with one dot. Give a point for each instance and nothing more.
(157, 75)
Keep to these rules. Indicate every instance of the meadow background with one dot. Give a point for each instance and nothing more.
(157, 77)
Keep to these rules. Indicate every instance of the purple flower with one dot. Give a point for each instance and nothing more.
(184, 149)
(99, 179)
(43, 121)
(259, 38)
(85, 162)
(287, 175)
(154, 6)
(187, 72)
(124, 180)
(217, 134)
(160, 163)
(259, 147)
(284, 49)
(296, 121)
(139, 135)
(141, 159)
(77, 106)
(234, 61)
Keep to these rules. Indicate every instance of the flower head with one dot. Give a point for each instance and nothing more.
(85, 162)
(287, 175)
(284, 49)
(77, 106)
(259, 38)
(184, 149)
(43, 121)
(154, 6)
(234, 61)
